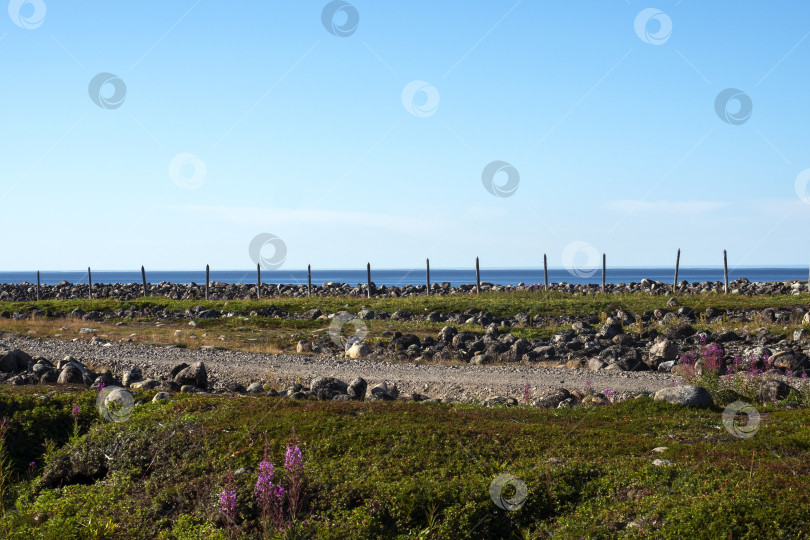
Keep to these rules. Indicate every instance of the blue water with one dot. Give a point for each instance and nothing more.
(414, 277)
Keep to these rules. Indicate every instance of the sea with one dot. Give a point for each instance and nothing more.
(401, 277)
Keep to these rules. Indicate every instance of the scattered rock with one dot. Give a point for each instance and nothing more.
(687, 394)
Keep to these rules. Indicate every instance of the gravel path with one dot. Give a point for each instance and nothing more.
(462, 382)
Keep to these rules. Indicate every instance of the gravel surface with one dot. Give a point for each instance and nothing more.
(461, 382)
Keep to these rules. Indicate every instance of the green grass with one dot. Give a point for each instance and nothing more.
(501, 304)
(400, 470)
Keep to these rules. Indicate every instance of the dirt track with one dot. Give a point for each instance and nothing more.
(462, 382)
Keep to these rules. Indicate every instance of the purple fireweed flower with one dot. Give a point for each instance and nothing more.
(75, 412)
(265, 490)
(804, 375)
(227, 500)
(293, 461)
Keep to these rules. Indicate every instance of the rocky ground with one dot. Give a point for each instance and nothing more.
(229, 371)
(19, 292)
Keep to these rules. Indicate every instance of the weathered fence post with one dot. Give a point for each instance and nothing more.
(258, 281)
(38, 296)
(603, 272)
(207, 275)
(545, 270)
(427, 262)
(677, 264)
(477, 277)
(309, 280)
(368, 278)
(143, 278)
(725, 270)
(90, 281)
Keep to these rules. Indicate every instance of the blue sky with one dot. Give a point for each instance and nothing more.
(305, 135)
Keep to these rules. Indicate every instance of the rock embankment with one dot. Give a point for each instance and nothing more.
(21, 292)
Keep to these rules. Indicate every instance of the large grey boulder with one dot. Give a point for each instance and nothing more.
(357, 389)
(8, 362)
(71, 374)
(131, 376)
(194, 374)
(687, 394)
(358, 350)
(326, 388)
(553, 399)
(662, 351)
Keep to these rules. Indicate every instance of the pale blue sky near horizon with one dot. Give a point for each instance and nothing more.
(304, 134)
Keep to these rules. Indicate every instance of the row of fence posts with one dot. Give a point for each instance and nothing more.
(370, 287)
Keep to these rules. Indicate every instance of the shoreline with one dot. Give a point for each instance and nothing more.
(27, 292)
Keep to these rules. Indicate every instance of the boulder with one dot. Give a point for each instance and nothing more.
(194, 374)
(481, 359)
(326, 388)
(303, 346)
(71, 374)
(385, 389)
(687, 394)
(131, 376)
(662, 351)
(595, 364)
(160, 396)
(8, 363)
(500, 400)
(255, 388)
(23, 359)
(357, 389)
(146, 384)
(359, 349)
(553, 399)
(773, 390)
(49, 377)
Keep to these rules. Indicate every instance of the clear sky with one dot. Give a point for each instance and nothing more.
(220, 121)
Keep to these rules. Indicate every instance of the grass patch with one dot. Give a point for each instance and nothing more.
(403, 470)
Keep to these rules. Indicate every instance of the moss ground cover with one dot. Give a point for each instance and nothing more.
(399, 470)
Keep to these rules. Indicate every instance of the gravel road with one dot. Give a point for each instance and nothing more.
(461, 382)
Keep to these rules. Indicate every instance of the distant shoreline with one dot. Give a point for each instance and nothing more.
(414, 277)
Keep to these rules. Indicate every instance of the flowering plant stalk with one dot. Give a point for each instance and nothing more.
(227, 505)
(74, 412)
(294, 465)
(269, 497)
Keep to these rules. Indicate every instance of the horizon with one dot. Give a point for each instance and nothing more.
(470, 268)
(312, 132)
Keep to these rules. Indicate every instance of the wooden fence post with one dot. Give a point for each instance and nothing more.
(725, 270)
(545, 271)
(477, 277)
(143, 278)
(677, 264)
(38, 296)
(309, 280)
(207, 275)
(258, 281)
(368, 278)
(427, 262)
(90, 281)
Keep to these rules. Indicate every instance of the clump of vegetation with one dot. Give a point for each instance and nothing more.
(211, 467)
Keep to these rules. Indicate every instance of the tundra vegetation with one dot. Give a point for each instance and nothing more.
(255, 466)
